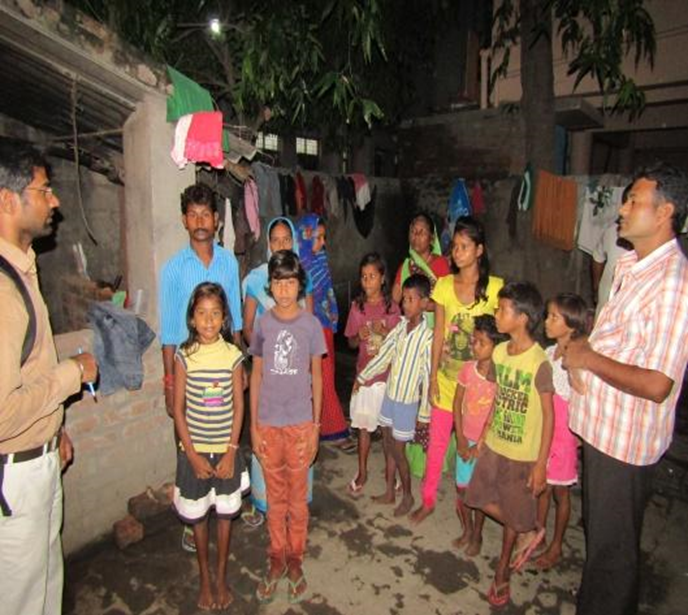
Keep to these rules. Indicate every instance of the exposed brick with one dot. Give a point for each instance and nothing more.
(127, 531)
(145, 505)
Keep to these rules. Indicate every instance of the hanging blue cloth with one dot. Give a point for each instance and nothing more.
(459, 205)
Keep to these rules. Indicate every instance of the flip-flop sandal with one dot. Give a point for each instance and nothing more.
(398, 487)
(267, 595)
(499, 595)
(524, 556)
(295, 597)
(355, 490)
(349, 447)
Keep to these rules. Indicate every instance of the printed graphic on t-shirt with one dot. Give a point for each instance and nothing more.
(456, 348)
(511, 403)
(286, 351)
(213, 396)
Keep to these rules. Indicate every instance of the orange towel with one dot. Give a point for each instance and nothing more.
(554, 212)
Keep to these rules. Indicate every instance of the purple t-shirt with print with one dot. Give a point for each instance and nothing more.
(286, 347)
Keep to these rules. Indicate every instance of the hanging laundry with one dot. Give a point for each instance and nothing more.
(242, 230)
(228, 235)
(331, 196)
(204, 139)
(459, 205)
(362, 189)
(269, 197)
(318, 197)
(187, 96)
(287, 190)
(181, 132)
(300, 194)
(600, 208)
(251, 206)
(364, 219)
(554, 212)
(526, 194)
(477, 199)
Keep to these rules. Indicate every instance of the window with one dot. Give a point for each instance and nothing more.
(307, 147)
(267, 141)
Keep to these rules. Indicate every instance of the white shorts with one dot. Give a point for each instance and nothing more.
(365, 406)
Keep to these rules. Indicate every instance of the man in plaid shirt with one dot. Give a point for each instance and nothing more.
(632, 367)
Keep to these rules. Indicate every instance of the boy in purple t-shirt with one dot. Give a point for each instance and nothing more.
(286, 400)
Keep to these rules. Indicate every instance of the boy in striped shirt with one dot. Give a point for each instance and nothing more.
(407, 348)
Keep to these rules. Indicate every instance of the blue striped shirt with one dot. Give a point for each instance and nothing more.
(409, 355)
(180, 275)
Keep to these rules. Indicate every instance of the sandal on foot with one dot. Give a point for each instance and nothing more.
(295, 596)
(499, 595)
(524, 555)
(267, 594)
(355, 490)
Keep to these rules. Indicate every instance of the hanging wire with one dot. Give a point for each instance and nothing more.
(75, 143)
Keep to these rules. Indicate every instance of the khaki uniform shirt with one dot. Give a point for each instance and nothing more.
(31, 396)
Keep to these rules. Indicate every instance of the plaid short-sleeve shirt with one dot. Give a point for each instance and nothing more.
(645, 323)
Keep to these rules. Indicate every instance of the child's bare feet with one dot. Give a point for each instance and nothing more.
(206, 601)
(549, 558)
(461, 541)
(474, 547)
(420, 514)
(224, 596)
(405, 506)
(384, 498)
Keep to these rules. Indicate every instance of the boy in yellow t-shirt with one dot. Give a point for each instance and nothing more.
(510, 472)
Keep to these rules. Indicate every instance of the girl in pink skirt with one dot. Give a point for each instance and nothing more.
(568, 317)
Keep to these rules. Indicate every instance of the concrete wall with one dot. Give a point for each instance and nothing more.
(488, 143)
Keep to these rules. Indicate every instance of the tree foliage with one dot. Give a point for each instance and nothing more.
(307, 62)
(596, 37)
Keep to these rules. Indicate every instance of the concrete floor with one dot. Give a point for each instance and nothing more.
(361, 559)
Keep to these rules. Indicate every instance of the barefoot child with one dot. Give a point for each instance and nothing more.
(472, 405)
(287, 345)
(208, 417)
(567, 318)
(469, 292)
(372, 315)
(511, 470)
(407, 350)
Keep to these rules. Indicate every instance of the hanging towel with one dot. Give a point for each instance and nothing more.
(318, 197)
(331, 197)
(478, 199)
(251, 205)
(228, 235)
(181, 133)
(364, 219)
(300, 194)
(554, 212)
(204, 140)
(269, 199)
(362, 189)
(459, 205)
(600, 208)
(187, 96)
(527, 191)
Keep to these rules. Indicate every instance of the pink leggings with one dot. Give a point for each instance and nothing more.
(441, 427)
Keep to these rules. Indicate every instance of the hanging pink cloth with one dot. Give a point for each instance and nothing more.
(204, 139)
(251, 207)
(478, 199)
(362, 190)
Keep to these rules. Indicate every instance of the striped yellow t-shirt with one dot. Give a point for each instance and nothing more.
(210, 394)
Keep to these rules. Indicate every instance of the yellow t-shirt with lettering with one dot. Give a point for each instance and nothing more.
(458, 328)
(516, 429)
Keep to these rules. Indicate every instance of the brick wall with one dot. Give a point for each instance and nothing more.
(122, 444)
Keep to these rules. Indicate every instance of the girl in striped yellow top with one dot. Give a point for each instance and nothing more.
(208, 412)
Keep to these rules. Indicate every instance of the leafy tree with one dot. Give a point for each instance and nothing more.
(297, 62)
(596, 36)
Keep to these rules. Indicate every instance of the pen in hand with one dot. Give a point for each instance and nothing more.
(90, 386)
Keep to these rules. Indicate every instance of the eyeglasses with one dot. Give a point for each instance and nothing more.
(46, 191)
